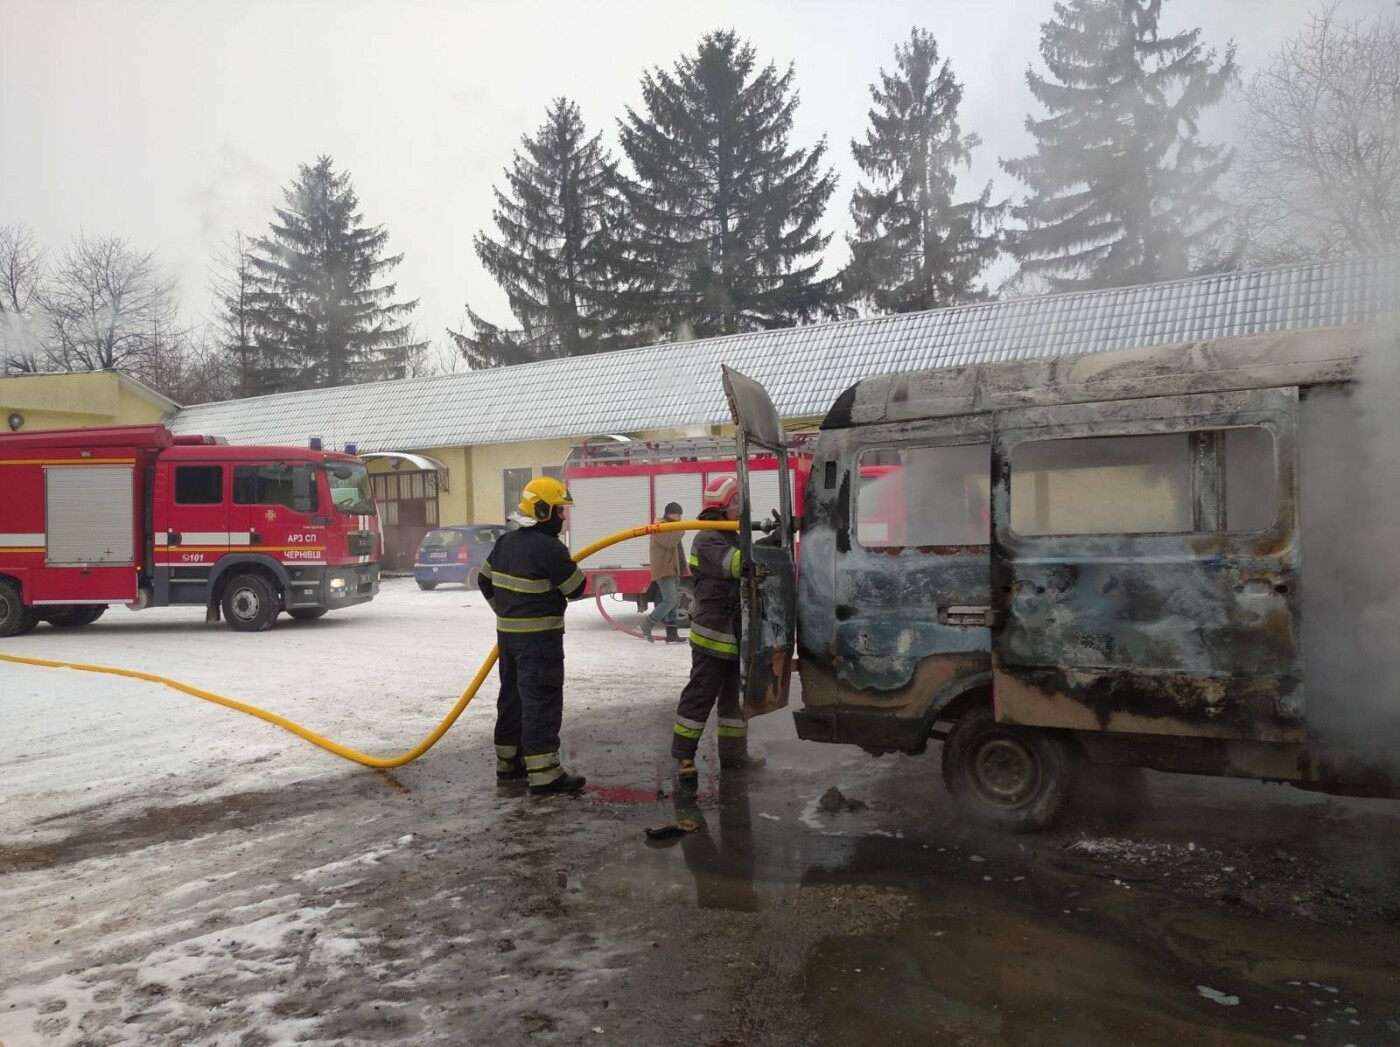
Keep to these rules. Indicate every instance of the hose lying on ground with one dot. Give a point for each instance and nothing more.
(354, 754)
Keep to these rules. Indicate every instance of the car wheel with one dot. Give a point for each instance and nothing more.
(1018, 779)
(15, 618)
(249, 603)
(308, 614)
(427, 587)
(474, 578)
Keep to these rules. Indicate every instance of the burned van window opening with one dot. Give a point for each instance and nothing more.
(1145, 484)
(915, 497)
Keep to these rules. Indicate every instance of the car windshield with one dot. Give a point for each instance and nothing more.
(441, 539)
(350, 493)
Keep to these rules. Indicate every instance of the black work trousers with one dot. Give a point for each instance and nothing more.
(712, 681)
(530, 709)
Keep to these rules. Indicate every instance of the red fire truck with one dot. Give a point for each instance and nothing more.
(138, 516)
(619, 483)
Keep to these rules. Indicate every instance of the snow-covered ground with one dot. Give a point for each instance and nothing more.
(173, 871)
(377, 677)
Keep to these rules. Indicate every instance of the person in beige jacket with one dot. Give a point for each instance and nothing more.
(668, 567)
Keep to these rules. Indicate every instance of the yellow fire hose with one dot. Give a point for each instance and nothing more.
(441, 729)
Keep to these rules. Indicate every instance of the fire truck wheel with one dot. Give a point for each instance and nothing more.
(1017, 779)
(249, 603)
(308, 614)
(73, 617)
(15, 618)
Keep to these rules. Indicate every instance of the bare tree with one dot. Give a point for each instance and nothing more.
(108, 306)
(22, 274)
(1321, 167)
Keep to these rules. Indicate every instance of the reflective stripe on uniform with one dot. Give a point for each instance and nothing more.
(713, 639)
(516, 584)
(694, 560)
(683, 729)
(507, 758)
(485, 570)
(543, 768)
(732, 728)
(529, 625)
(734, 564)
(571, 583)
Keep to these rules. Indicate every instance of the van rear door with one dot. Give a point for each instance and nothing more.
(768, 592)
(1145, 567)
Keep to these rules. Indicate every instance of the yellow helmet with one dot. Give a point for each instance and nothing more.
(541, 495)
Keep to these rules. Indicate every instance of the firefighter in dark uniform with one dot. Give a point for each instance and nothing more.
(714, 640)
(528, 579)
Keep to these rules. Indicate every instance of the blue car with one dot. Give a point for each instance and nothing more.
(454, 554)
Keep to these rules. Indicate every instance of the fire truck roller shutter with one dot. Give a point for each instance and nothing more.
(684, 488)
(763, 487)
(89, 514)
(604, 505)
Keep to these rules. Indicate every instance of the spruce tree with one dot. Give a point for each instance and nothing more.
(914, 247)
(1121, 190)
(321, 317)
(555, 257)
(724, 212)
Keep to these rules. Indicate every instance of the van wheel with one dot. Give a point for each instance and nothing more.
(474, 578)
(427, 587)
(249, 603)
(15, 618)
(73, 617)
(1018, 779)
(308, 614)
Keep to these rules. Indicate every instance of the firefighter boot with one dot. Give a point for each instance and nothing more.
(686, 771)
(673, 635)
(742, 762)
(565, 783)
(647, 626)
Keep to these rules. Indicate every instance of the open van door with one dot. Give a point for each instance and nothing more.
(768, 590)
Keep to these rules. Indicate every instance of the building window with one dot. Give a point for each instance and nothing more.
(199, 484)
(514, 481)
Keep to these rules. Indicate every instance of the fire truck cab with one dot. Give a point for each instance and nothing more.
(138, 516)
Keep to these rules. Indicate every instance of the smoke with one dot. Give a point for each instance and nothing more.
(1349, 490)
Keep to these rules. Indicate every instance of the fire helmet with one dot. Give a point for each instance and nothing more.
(541, 495)
(720, 492)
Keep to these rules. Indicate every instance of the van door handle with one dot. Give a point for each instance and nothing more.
(844, 612)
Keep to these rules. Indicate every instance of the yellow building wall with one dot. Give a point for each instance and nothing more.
(488, 462)
(71, 401)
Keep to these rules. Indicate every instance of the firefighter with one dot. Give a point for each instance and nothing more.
(714, 640)
(528, 579)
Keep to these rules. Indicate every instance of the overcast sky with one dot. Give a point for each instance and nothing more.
(171, 122)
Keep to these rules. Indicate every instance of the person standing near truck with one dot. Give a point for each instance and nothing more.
(715, 559)
(667, 570)
(529, 579)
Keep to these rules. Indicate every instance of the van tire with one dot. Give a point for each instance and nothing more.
(249, 603)
(1017, 779)
(427, 587)
(308, 614)
(15, 618)
(76, 616)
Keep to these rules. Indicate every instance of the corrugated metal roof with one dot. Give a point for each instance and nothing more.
(803, 368)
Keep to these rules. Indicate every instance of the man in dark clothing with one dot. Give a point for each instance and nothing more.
(528, 579)
(714, 640)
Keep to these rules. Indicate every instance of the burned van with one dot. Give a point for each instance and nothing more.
(1092, 559)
